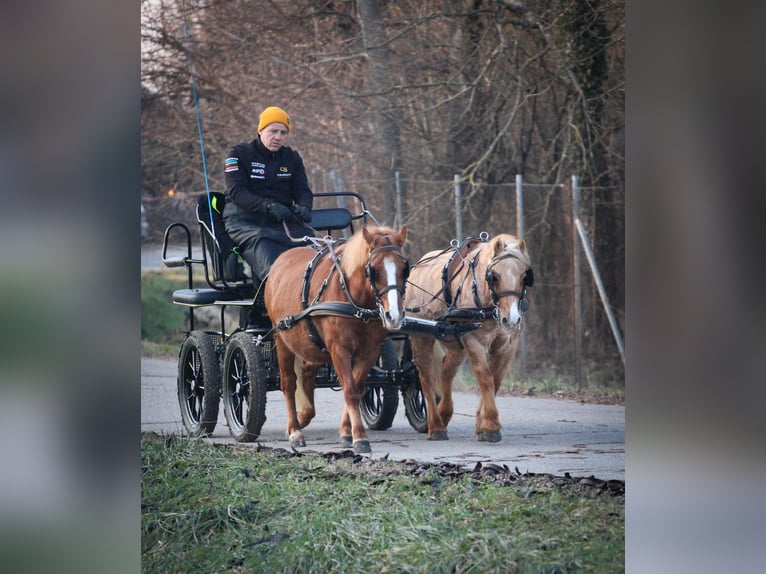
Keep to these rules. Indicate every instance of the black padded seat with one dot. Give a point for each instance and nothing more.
(330, 219)
(200, 297)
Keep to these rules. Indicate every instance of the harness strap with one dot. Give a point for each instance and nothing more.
(458, 250)
(338, 308)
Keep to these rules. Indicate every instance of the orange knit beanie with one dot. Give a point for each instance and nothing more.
(273, 115)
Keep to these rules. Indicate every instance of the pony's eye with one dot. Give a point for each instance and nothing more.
(373, 273)
(406, 271)
(493, 277)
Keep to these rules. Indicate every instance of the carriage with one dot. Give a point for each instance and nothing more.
(238, 362)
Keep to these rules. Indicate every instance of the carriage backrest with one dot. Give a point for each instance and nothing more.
(331, 219)
(224, 266)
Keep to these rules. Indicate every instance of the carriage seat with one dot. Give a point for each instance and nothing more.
(331, 219)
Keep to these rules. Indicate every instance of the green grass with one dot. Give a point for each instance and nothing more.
(208, 508)
(162, 322)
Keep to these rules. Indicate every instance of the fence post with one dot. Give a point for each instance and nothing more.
(458, 212)
(576, 293)
(600, 286)
(520, 233)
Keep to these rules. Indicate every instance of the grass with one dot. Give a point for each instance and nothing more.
(162, 322)
(208, 508)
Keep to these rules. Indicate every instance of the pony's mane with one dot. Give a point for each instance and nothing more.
(505, 238)
(355, 252)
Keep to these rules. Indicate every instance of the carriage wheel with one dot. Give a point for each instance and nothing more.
(199, 383)
(414, 402)
(244, 388)
(415, 407)
(379, 402)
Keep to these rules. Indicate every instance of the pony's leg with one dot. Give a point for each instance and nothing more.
(422, 354)
(501, 352)
(487, 417)
(305, 394)
(346, 439)
(352, 379)
(287, 383)
(450, 364)
(360, 370)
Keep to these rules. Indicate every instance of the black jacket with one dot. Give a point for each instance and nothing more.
(256, 177)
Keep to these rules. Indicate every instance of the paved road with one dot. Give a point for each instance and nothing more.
(539, 435)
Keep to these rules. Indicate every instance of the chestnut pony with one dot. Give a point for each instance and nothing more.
(485, 282)
(335, 306)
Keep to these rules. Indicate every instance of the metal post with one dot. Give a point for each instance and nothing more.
(458, 213)
(576, 294)
(520, 233)
(600, 286)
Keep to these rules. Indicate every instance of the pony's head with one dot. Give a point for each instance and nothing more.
(379, 251)
(508, 274)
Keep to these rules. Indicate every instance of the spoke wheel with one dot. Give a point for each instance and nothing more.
(379, 402)
(414, 402)
(199, 383)
(244, 388)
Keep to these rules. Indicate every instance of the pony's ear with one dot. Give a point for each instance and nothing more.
(368, 237)
(402, 234)
(522, 246)
(499, 246)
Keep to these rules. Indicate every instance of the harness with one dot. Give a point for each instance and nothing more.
(479, 312)
(337, 308)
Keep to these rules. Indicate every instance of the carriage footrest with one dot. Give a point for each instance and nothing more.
(201, 297)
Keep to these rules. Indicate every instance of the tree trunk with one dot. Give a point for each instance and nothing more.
(381, 113)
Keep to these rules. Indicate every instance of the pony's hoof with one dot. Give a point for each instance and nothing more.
(362, 446)
(489, 436)
(297, 439)
(438, 435)
(345, 441)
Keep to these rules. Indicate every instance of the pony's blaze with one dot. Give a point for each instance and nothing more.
(514, 316)
(394, 315)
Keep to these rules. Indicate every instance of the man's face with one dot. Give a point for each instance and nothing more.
(274, 135)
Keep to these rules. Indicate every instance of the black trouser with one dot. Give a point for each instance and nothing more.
(260, 254)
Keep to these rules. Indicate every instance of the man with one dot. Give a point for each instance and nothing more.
(266, 187)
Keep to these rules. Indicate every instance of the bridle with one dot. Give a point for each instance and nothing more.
(527, 281)
(489, 277)
(371, 273)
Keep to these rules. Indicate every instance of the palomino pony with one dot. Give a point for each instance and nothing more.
(483, 282)
(335, 306)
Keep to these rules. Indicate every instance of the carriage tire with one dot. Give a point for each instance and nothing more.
(415, 407)
(414, 402)
(199, 383)
(244, 388)
(380, 402)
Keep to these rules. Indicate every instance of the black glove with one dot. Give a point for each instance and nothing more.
(303, 211)
(278, 211)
